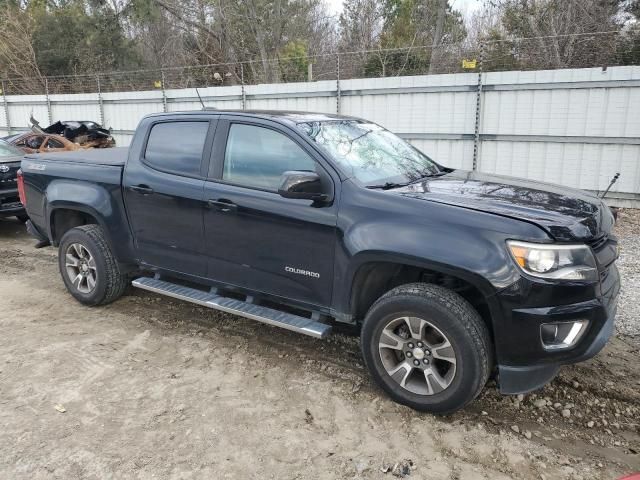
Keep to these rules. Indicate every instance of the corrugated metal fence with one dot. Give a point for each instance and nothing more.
(575, 127)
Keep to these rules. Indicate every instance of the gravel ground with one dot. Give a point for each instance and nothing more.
(628, 230)
(149, 387)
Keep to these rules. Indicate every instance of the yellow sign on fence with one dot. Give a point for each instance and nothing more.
(157, 84)
(469, 64)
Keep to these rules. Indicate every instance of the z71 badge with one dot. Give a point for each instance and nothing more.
(35, 166)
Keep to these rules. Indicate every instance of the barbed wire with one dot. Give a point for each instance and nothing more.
(579, 50)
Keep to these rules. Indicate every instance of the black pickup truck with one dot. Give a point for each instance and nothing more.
(307, 220)
(10, 206)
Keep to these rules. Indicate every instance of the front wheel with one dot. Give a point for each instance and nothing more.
(427, 347)
(88, 267)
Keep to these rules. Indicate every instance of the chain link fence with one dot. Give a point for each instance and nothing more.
(601, 49)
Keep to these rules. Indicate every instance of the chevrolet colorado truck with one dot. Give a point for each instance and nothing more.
(306, 221)
(10, 206)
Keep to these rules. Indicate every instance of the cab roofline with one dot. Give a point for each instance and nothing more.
(282, 115)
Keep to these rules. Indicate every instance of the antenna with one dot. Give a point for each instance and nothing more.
(613, 180)
(200, 98)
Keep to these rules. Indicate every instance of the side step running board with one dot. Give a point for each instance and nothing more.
(235, 307)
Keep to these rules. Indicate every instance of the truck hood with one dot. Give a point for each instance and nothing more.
(566, 214)
(11, 159)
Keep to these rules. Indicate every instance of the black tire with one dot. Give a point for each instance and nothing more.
(22, 218)
(110, 282)
(460, 324)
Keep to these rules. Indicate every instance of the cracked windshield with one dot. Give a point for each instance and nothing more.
(371, 154)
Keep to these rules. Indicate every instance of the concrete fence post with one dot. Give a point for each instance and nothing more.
(6, 108)
(338, 93)
(476, 136)
(100, 102)
(46, 93)
(164, 92)
(242, 90)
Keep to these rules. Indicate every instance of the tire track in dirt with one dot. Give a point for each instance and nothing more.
(603, 390)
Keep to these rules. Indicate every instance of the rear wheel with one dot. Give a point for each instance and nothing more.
(427, 347)
(88, 267)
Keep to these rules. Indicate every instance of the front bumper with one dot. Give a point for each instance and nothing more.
(523, 363)
(10, 205)
(524, 379)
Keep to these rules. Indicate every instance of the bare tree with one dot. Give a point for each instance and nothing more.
(17, 55)
(437, 36)
(560, 31)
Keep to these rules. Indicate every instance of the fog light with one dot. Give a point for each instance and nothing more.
(562, 335)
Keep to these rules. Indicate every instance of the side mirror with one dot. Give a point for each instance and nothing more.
(301, 185)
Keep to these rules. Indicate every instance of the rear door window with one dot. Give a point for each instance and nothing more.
(176, 147)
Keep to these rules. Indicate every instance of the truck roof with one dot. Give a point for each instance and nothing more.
(288, 116)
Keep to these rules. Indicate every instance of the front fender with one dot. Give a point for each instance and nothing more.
(470, 245)
(479, 256)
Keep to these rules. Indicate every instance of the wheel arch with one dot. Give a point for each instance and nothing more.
(63, 216)
(74, 203)
(373, 277)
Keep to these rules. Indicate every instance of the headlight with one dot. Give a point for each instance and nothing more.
(555, 262)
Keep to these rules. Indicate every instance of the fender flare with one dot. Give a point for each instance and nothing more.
(360, 260)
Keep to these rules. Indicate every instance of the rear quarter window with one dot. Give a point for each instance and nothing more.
(177, 147)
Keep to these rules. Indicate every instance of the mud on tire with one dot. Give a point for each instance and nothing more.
(84, 251)
(438, 336)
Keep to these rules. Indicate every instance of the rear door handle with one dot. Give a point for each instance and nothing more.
(223, 205)
(142, 189)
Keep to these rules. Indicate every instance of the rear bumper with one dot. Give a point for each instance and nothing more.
(533, 367)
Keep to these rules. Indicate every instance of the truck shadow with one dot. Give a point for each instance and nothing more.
(338, 356)
(12, 228)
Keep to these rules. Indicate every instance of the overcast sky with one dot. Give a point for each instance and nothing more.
(464, 6)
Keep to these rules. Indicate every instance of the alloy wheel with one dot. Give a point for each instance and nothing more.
(81, 268)
(417, 355)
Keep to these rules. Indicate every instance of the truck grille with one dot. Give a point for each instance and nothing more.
(8, 179)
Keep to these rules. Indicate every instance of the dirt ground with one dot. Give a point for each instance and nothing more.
(149, 387)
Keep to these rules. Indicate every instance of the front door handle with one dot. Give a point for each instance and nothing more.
(142, 189)
(223, 205)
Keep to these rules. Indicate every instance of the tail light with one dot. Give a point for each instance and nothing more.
(21, 194)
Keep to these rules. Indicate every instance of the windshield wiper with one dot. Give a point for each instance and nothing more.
(388, 185)
(439, 173)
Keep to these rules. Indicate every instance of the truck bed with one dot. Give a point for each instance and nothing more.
(95, 156)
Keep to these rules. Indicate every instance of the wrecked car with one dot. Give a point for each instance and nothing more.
(39, 142)
(85, 133)
(62, 136)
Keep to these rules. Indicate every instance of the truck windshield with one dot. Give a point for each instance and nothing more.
(371, 154)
